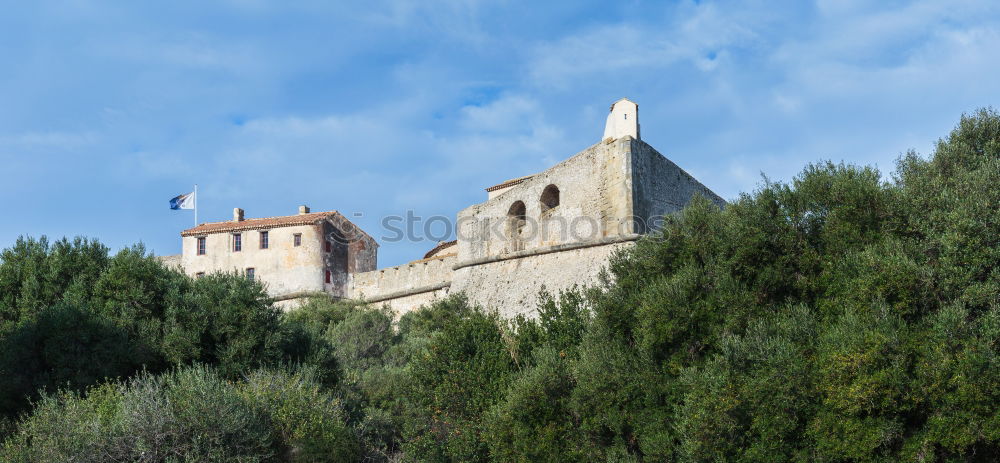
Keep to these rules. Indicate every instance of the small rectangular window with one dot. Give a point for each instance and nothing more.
(201, 245)
(199, 275)
(250, 273)
(237, 242)
(263, 240)
(329, 246)
(329, 277)
(297, 239)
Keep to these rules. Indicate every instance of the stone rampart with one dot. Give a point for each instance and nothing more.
(511, 284)
(594, 188)
(404, 285)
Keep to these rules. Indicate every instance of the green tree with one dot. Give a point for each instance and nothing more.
(64, 346)
(461, 374)
(35, 274)
(535, 420)
(225, 320)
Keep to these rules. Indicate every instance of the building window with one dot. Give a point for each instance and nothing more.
(250, 273)
(201, 245)
(199, 275)
(297, 239)
(329, 277)
(550, 197)
(237, 242)
(329, 246)
(263, 240)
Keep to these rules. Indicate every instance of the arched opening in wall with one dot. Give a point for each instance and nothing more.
(516, 219)
(552, 230)
(549, 198)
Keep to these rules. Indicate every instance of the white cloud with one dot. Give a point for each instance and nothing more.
(606, 49)
(459, 20)
(699, 34)
(506, 114)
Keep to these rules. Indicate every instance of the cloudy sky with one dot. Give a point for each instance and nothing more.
(109, 109)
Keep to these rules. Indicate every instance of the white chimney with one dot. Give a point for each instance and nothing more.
(237, 215)
(303, 210)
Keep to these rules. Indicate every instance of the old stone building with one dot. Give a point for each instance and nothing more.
(552, 230)
(294, 256)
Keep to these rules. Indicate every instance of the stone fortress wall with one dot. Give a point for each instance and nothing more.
(405, 286)
(561, 246)
(511, 285)
(553, 230)
(661, 187)
(594, 189)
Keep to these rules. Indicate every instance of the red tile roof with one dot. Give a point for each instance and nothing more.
(509, 183)
(264, 223)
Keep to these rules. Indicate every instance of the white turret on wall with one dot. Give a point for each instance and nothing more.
(622, 120)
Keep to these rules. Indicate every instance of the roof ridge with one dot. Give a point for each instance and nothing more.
(262, 222)
(267, 218)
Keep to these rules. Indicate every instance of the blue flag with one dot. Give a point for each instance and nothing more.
(185, 201)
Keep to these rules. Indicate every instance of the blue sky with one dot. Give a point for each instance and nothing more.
(109, 109)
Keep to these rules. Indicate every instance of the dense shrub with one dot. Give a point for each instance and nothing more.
(461, 373)
(71, 316)
(309, 421)
(535, 421)
(35, 274)
(190, 414)
(64, 346)
(224, 320)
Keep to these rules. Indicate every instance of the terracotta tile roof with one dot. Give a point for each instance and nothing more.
(439, 247)
(262, 223)
(509, 183)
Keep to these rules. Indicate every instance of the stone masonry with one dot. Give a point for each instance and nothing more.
(551, 231)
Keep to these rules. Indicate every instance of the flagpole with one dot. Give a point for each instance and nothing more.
(196, 204)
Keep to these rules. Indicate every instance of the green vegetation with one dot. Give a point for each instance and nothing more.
(840, 317)
(190, 414)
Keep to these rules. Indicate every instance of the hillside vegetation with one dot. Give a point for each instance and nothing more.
(840, 317)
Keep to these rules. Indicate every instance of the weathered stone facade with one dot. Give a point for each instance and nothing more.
(552, 230)
(305, 254)
(511, 285)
